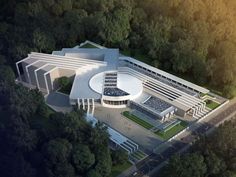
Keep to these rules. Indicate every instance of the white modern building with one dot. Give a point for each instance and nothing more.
(104, 77)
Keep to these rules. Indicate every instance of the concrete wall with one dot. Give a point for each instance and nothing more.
(31, 70)
(57, 73)
(92, 56)
(180, 112)
(40, 74)
(52, 79)
(50, 87)
(24, 64)
(66, 72)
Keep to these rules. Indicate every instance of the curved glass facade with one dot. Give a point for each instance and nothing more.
(123, 102)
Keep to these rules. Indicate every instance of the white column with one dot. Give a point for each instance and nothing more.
(193, 108)
(27, 73)
(93, 106)
(204, 105)
(83, 104)
(201, 107)
(49, 72)
(78, 101)
(17, 67)
(88, 106)
(26, 68)
(18, 71)
(46, 82)
(162, 119)
(36, 78)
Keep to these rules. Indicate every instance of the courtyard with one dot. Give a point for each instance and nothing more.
(113, 117)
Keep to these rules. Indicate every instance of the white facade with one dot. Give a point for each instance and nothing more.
(103, 76)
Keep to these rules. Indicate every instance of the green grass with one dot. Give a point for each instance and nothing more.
(137, 120)
(171, 132)
(88, 46)
(141, 154)
(117, 169)
(138, 155)
(211, 104)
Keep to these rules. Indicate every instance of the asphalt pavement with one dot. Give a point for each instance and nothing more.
(151, 165)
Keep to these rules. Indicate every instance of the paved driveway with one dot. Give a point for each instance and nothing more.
(138, 134)
(59, 102)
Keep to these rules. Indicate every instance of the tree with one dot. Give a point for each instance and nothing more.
(119, 157)
(15, 160)
(224, 69)
(42, 41)
(229, 90)
(116, 27)
(75, 27)
(61, 6)
(2, 59)
(7, 75)
(61, 170)
(156, 36)
(20, 134)
(83, 158)
(57, 151)
(93, 173)
(103, 6)
(103, 165)
(63, 81)
(139, 17)
(199, 70)
(182, 60)
(215, 165)
(188, 165)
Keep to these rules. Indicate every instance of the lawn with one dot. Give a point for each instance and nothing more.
(137, 120)
(117, 169)
(88, 46)
(173, 131)
(211, 104)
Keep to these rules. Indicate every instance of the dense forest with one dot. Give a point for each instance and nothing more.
(212, 156)
(195, 39)
(36, 141)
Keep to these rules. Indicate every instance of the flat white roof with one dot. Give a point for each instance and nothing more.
(125, 82)
(168, 75)
(110, 56)
(87, 62)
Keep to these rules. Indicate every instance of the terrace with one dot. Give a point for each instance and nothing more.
(114, 92)
(157, 104)
(172, 130)
(162, 79)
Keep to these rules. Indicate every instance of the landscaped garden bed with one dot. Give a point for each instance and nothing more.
(137, 120)
(171, 132)
(211, 104)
